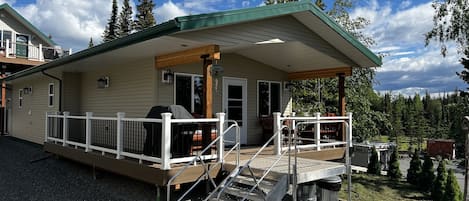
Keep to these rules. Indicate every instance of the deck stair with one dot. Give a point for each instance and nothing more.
(251, 185)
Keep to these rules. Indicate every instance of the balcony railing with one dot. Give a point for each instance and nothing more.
(32, 52)
(162, 141)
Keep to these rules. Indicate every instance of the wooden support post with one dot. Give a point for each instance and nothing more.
(342, 100)
(207, 103)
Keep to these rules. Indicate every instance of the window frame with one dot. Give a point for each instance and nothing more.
(51, 95)
(192, 75)
(20, 98)
(270, 96)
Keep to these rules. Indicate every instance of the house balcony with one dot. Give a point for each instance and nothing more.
(27, 54)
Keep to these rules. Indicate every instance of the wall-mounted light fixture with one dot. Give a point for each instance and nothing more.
(167, 76)
(287, 85)
(216, 70)
(28, 90)
(103, 82)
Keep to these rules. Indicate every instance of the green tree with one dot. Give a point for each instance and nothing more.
(393, 171)
(452, 191)
(110, 33)
(451, 23)
(415, 169)
(374, 166)
(144, 16)
(90, 43)
(438, 189)
(125, 19)
(427, 177)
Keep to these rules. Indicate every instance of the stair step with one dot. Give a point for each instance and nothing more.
(265, 185)
(240, 193)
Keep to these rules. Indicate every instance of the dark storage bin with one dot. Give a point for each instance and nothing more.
(181, 134)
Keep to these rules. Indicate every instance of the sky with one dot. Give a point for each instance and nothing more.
(398, 27)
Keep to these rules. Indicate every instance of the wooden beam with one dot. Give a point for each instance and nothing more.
(207, 101)
(187, 56)
(342, 101)
(323, 73)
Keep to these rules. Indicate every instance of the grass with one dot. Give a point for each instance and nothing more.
(369, 187)
(404, 142)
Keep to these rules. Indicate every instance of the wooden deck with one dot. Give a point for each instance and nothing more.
(309, 166)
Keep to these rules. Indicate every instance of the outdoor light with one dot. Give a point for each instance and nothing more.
(167, 76)
(216, 70)
(103, 82)
(287, 85)
(28, 90)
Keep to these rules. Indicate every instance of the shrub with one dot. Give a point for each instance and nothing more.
(415, 169)
(374, 167)
(427, 177)
(393, 171)
(452, 191)
(439, 185)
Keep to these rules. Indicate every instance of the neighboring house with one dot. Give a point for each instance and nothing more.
(22, 46)
(236, 63)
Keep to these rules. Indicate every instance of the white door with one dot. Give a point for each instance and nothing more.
(235, 105)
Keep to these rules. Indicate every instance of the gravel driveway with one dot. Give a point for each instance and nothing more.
(59, 178)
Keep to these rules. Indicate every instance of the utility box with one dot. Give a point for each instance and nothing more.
(441, 147)
(362, 153)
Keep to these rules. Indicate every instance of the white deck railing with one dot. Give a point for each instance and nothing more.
(318, 141)
(34, 52)
(126, 137)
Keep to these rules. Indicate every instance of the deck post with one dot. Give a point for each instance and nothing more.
(46, 127)
(88, 131)
(277, 134)
(348, 164)
(220, 144)
(7, 48)
(120, 134)
(166, 141)
(317, 131)
(65, 128)
(293, 122)
(41, 57)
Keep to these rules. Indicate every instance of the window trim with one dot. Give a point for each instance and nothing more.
(51, 95)
(192, 75)
(270, 97)
(20, 98)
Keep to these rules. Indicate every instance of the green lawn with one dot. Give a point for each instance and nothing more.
(404, 142)
(368, 187)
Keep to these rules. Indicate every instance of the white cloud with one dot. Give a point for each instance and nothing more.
(246, 3)
(168, 11)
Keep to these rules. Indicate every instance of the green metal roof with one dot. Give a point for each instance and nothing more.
(202, 21)
(26, 23)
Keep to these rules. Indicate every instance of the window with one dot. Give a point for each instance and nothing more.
(20, 98)
(268, 97)
(51, 94)
(188, 91)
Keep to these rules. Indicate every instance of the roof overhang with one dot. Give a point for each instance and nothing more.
(293, 37)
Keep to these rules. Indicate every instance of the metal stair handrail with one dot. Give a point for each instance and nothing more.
(237, 171)
(206, 174)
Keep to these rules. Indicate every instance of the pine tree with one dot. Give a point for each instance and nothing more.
(110, 33)
(374, 167)
(438, 189)
(427, 177)
(90, 43)
(452, 191)
(394, 172)
(415, 169)
(144, 16)
(125, 19)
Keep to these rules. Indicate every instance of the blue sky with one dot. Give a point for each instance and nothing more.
(398, 27)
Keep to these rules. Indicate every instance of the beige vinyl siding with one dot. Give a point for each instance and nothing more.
(234, 66)
(28, 122)
(71, 93)
(131, 90)
(8, 22)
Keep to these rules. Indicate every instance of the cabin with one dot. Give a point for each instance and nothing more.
(229, 71)
(22, 46)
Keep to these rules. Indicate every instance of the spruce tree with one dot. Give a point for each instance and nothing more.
(427, 177)
(110, 33)
(393, 171)
(125, 19)
(144, 16)
(452, 191)
(438, 189)
(374, 167)
(415, 169)
(90, 43)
